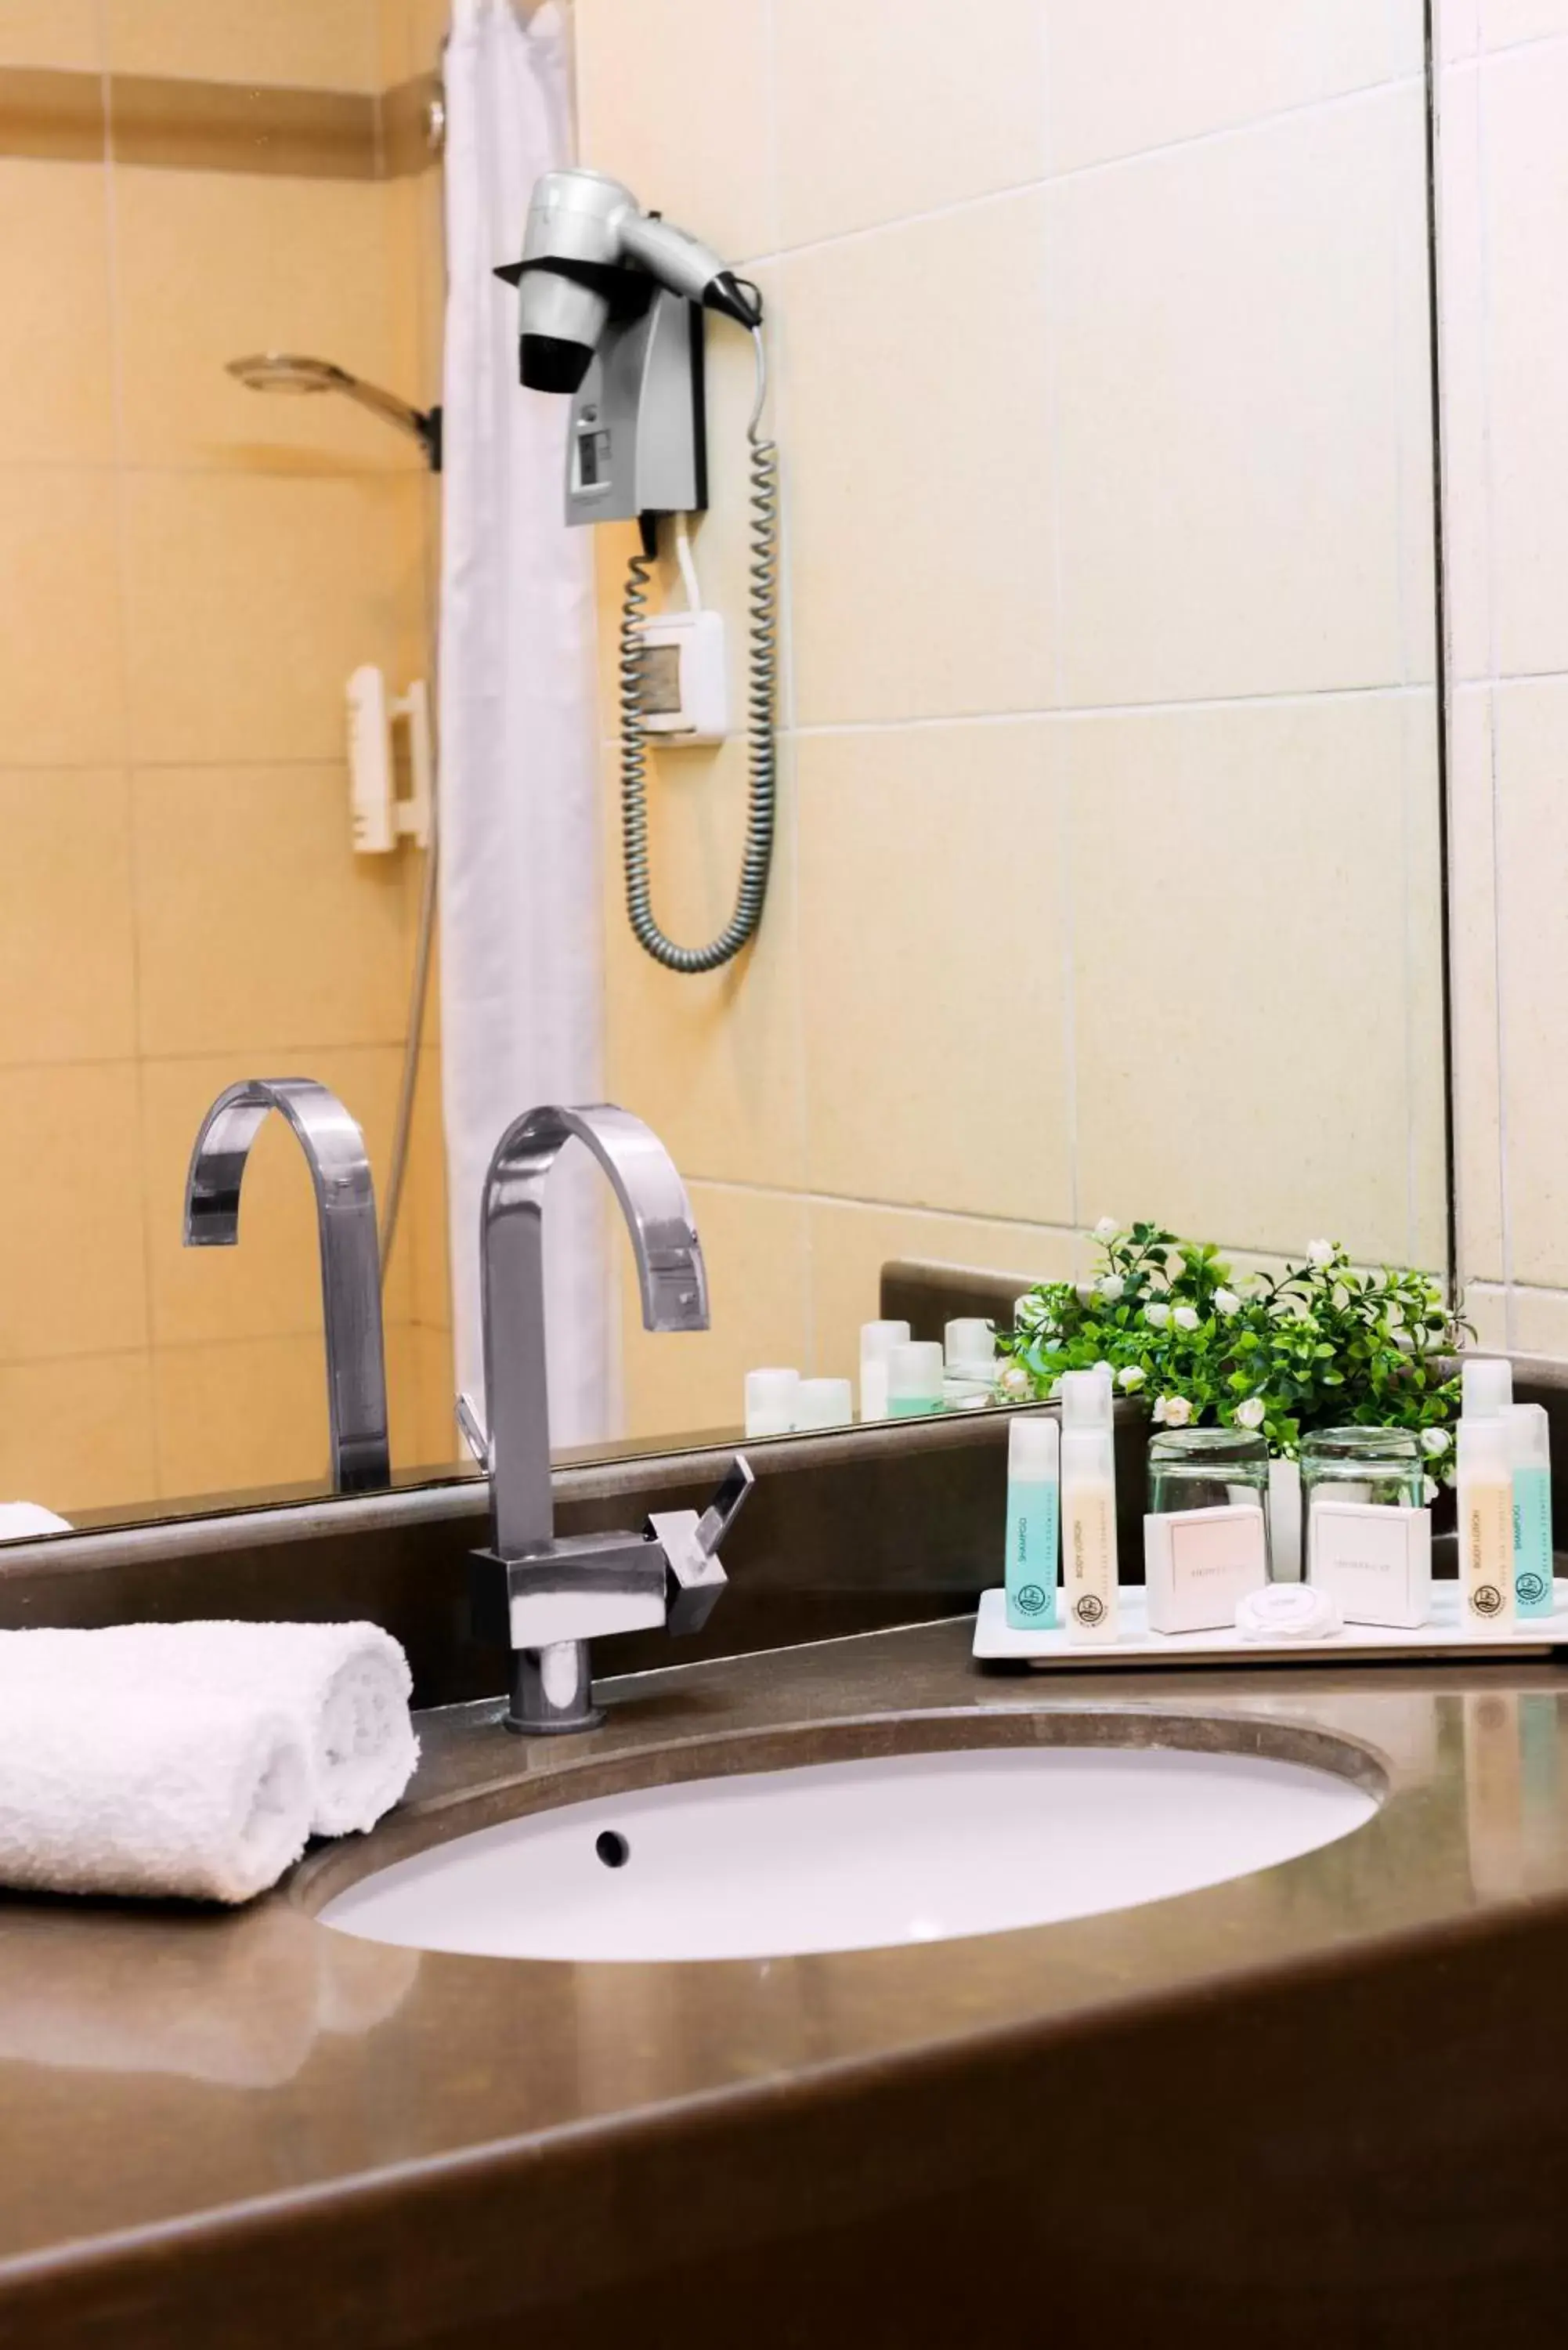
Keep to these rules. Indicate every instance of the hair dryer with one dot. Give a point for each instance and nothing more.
(590, 252)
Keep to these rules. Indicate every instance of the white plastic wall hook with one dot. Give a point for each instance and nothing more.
(380, 819)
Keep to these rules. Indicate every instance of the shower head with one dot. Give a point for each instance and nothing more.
(287, 371)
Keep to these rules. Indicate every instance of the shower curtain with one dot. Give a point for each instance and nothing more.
(521, 960)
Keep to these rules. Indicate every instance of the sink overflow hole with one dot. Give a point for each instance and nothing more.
(612, 1848)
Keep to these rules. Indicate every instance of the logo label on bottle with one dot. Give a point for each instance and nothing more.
(1030, 1599)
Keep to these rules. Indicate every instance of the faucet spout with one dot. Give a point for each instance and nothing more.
(670, 1273)
(339, 1166)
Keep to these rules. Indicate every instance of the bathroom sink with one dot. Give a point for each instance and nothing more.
(856, 1855)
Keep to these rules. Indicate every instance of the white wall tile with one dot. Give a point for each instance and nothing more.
(1503, 21)
(1233, 462)
(1127, 75)
(1465, 383)
(1477, 1078)
(1532, 753)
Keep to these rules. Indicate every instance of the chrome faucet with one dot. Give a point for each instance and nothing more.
(548, 1597)
(350, 1256)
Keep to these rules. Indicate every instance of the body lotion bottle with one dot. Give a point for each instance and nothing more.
(1089, 1533)
(1486, 1521)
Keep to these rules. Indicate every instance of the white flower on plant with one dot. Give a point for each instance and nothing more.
(1102, 1366)
(1428, 1489)
(1130, 1379)
(1106, 1229)
(1185, 1317)
(1250, 1413)
(1111, 1286)
(1227, 1302)
(1173, 1411)
(1436, 1442)
(1157, 1314)
(1320, 1252)
(1015, 1383)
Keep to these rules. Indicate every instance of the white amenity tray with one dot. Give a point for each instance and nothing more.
(1446, 1634)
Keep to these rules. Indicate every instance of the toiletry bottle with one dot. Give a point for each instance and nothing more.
(914, 1379)
(1530, 1441)
(823, 1403)
(1486, 1521)
(969, 1347)
(1088, 1505)
(877, 1340)
(1033, 1516)
(771, 1398)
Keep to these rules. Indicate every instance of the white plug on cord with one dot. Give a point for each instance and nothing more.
(685, 679)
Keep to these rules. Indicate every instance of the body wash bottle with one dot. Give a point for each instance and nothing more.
(1486, 1521)
(1530, 1444)
(1034, 1522)
(1088, 1506)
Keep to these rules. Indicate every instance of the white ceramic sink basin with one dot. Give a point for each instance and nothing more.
(855, 1855)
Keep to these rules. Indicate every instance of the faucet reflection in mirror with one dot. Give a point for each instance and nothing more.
(548, 1597)
(339, 1166)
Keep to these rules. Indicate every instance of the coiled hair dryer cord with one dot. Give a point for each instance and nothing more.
(761, 758)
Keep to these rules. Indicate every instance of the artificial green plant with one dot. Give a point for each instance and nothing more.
(1322, 1345)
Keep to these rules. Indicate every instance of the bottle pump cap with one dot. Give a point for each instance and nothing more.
(970, 1345)
(878, 1339)
(1485, 1386)
(1086, 1397)
(1529, 1435)
(1033, 1450)
(1485, 1447)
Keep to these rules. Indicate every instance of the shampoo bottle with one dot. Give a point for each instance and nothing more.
(1033, 1520)
(1088, 1506)
(1530, 1443)
(1486, 1519)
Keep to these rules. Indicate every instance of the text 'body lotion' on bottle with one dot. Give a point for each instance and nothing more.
(1034, 1522)
(1486, 1521)
(1088, 1506)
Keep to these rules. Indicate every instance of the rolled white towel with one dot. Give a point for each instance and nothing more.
(118, 1790)
(346, 1687)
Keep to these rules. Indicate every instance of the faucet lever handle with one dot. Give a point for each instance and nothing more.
(729, 1500)
(694, 1574)
(474, 1434)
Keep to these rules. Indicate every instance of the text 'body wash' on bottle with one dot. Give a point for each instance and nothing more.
(1486, 1521)
(1530, 1445)
(1034, 1522)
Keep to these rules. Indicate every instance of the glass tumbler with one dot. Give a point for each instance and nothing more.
(1382, 1467)
(1208, 1469)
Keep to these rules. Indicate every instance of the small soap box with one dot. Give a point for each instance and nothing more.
(1200, 1564)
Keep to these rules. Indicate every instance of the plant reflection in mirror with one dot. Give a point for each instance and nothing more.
(1322, 1345)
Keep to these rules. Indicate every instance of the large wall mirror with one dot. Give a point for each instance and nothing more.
(1109, 870)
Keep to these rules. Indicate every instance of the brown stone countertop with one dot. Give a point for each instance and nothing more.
(247, 2128)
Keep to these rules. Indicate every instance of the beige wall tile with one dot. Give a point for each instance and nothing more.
(256, 921)
(72, 1276)
(439, 1444)
(1523, 98)
(252, 599)
(403, 1396)
(1487, 1312)
(309, 43)
(1531, 745)
(1539, 1321)
(851, 1244)
(1466, 458)
(246, 1413)
(269, 1284)
(55, 346)
(678, 103)
(1270, 874)
(61, 696)
(213, 265)
(755, 1247)
(77, 1435)
(67, 948)
(917, 521)
(1478, 1105)
(1126, 75)
(871, 127)
(421, 1240)
(712, 1062)
(932, 968)
(64, 33)
(1231, 396)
